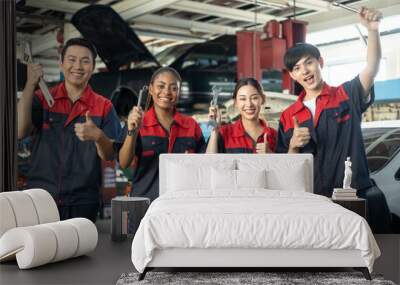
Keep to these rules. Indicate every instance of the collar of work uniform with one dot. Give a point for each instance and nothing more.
(239, 131)
(322, 101)
(150, 119)
(79, 107)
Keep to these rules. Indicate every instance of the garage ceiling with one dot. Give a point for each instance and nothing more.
(161, 23)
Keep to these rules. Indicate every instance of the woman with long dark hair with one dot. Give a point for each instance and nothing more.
(250, 133)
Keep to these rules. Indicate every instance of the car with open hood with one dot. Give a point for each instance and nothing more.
(201, 65)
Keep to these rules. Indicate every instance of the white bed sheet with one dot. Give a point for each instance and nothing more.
(252, 218)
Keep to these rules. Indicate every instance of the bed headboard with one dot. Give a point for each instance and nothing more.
(288, 167)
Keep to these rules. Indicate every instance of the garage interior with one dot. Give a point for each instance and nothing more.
(163, 25)
(169, 30)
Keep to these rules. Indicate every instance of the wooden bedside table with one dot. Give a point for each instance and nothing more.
(357, 205)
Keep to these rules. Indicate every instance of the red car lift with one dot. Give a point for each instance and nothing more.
(258, 51)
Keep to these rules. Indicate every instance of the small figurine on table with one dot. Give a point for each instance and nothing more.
(347, 174)
(346, 192)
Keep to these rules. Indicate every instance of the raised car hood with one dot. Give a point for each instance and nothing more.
(116, 42)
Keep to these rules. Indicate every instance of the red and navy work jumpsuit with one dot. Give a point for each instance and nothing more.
(234, 139)
(185, 136)
(335, 135)
(62, 164)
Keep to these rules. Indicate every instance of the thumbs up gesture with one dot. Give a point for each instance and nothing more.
(301, 136)
(263, 147)
(87, 131)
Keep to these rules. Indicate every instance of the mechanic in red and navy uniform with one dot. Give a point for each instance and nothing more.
(70, 137)
(250, 133)
(162, 129)
(326, 121)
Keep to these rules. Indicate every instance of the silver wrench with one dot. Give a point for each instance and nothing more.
(144, 88)
(348, 8)
(214, 103)
(42, 84)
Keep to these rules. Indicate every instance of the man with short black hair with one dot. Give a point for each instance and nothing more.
(326, 121)
(71, 137)
(79, 42)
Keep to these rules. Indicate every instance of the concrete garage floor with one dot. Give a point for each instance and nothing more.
(110, 259)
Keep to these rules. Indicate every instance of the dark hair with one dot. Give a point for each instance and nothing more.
(79, 42)
(248, 81)
(123, 99)
(300, 50)
(163, 70)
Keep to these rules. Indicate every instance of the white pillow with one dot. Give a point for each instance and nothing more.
(251, 178)
(183, 175)
(223, 179)
(281, 174)
(291, 179)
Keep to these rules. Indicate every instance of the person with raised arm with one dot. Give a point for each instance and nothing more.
(326, 121)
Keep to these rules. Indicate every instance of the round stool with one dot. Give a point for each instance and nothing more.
(126, 214)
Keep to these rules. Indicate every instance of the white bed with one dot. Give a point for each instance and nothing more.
(247, 210)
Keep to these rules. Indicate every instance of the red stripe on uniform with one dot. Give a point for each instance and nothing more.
(330, 100)
(287, 116)
(336, 98)
(98, 105)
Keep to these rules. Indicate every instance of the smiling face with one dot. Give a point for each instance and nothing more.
(165, 90)
(77, 66)
(249, 101)
(307, 72)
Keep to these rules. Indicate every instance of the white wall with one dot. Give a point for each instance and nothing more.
(345, 60)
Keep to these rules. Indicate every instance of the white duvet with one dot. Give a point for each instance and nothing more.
(253, 218)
